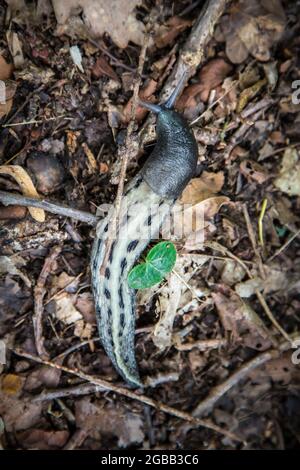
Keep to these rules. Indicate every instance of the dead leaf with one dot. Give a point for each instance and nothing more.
(240, 319)
(9, 265)
(86, 306)
(210, 77)
(65, 310)
(18, 413)
(252, 27)
(44, 375)
(6, 69)
(126, 426)
(114, 17)
(5, 108)
(254, 171)
(15, 48)
(12, 384)
(249, 93)
(198, 189)
(288, 180)
(145, 93)
(26, 185)
(42, 440)
(102, 67)
(167, 33)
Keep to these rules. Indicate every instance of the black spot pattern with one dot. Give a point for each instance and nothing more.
(107, 293)
(123, 265)
(132, 245)
(107, 273)
(149, 220)
(112, 251)
(121, 301)
(122, 320)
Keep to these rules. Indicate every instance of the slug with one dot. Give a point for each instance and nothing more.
(158, 184)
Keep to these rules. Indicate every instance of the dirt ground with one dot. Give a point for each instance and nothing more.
(219, 341)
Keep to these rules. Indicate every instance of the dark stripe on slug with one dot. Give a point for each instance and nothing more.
(149, 220)
(109, 312)
(122, 320)
(107, 293)
(123, 265)
(132, 245)
(107, 273)
(112, 251)
(105, 228)
(121, 301)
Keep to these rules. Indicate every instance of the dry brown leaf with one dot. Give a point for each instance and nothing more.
(253, 171)
(65, 310)
(167, 33)
(253, 27)
(102, 67)
(249, 93)
(240, 319)
(27, 187)
(18, 413)
(288, 180)
(145, 93)
(114, 17)
(5, 108)
(210, 77)
(12, 384)
(5, 69)
(198, 189)
(42, 440)
(15, 48)
(126, 426)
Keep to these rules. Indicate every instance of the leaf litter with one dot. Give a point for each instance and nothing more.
(207, 319)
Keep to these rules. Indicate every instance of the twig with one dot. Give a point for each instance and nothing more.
(285, 245)
(217, 392)
(34, 92)
(77, 390)
(130, 394)
(202, 345)
(192, 54)
(39, 293)
(36, 121)
(124, 153)
(9, 199)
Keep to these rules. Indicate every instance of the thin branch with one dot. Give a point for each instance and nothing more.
(9, 199)
(39, 294)
(130, 394)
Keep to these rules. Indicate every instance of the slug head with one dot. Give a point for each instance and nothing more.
(173, 161)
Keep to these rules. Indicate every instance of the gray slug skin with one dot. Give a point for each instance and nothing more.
(162, 179)
(173, 161)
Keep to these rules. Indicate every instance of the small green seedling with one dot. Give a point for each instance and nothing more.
(160, 260)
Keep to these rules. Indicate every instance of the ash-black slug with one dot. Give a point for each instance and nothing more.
(159, 183)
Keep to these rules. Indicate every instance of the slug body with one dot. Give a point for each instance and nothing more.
(159, 183)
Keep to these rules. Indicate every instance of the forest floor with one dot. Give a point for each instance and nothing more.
(217, 343)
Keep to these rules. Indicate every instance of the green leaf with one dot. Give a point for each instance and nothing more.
(159, 261)
(143, 276)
